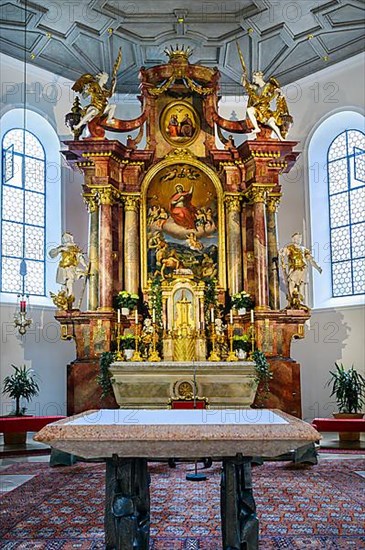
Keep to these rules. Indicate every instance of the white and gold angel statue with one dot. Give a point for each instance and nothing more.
(94, 86)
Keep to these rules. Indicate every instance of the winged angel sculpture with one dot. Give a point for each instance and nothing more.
(266, 102)
(94, 86)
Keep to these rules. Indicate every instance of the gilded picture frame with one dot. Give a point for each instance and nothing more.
(179, 124)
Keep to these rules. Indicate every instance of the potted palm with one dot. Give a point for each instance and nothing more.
(348, 387)
(19, 385)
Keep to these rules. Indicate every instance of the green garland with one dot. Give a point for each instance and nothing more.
(103, 378)
(263, 374)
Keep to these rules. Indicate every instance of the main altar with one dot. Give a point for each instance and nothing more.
(184, 226)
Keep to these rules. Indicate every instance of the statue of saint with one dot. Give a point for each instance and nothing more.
(72, 264)
(95, 87)
(295, 259)
(261, 97)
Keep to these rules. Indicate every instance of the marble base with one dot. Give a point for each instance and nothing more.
(151, 385)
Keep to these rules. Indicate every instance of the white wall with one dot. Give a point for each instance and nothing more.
(335, 335)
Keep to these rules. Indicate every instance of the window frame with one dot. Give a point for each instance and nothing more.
(43, 130)
(317, 200)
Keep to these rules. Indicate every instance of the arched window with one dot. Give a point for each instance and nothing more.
(23, 214)
(30, 215)
(336, 161)
(346, 190)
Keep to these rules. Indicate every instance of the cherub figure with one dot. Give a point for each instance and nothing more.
(95, 87)
(147, 336)
(295, 259)
(261, 94)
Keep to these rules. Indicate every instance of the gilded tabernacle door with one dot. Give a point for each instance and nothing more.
(182, 222)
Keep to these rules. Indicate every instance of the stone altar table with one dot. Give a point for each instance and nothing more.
(128, 438)
(150, 385)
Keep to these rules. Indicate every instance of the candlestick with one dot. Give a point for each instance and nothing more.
(214, 356)
(154, 355)
(136, 355)
(119, 355)
(232, 356)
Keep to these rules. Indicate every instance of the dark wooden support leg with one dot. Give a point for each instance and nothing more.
(127, 504)
(240, 526)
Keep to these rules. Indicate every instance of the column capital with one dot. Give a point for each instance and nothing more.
(107, 195)
(131, 203)
(257, 193)
(91, 201)
(273, 201)
(233, 203)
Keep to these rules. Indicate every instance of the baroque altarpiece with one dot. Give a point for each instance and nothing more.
(192, 223)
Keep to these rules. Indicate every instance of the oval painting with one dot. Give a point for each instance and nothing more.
(179, 123)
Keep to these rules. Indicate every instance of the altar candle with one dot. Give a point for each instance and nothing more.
(153, 316)
(231, 317)
(252, 316)
(136, 316)
(118, 314)
(212, 315)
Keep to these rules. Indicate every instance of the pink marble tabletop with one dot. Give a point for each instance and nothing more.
(164, 433)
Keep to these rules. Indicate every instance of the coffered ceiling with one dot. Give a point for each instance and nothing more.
(286, 38)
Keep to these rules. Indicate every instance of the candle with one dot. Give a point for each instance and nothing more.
(23, 306)
(153, 316)
(212, 315)
(118, 314)
(231, 317)
(136, 312)
(251, 316)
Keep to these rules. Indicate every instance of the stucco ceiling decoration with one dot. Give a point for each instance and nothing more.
(289, 39)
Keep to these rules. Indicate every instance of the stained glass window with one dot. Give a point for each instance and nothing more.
(346, 184)
(23, 214)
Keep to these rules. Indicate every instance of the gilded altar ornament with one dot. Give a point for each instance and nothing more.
(261, 96)
(184, 332)
(72, 266)
(294, 260)
(94, 86)
(179, 123)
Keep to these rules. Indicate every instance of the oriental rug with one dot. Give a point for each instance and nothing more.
(318, 507)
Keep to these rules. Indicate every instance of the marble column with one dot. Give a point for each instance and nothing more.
(257, 195)
(106, 199)
(93, 297)
(272, 203)
(234, 245)
(131, 244)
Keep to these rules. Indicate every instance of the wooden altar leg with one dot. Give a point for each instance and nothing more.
(240, 526)
(127, 504)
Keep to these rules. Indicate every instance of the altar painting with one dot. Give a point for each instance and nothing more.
(182, 223)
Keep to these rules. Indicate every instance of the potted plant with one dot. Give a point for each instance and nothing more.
(19, 385)
(242, 301)
(127, 344)
(126, 301)
(242, 345)
(348, 387)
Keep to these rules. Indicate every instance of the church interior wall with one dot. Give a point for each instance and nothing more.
(333, 335)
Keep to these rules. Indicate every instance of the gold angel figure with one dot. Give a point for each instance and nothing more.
(261, 96)
(95, 88)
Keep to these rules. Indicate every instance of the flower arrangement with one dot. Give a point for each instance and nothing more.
(126, 299)
(242, 342)
(127, 341)
(242, 300)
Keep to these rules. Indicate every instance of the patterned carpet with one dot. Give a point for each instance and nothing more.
(299, 507)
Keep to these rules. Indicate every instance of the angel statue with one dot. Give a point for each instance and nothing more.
(295, 259)
(261, 97)
(95, 87)
(72, 266)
